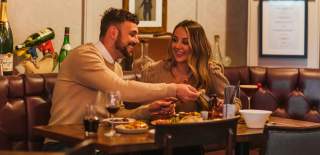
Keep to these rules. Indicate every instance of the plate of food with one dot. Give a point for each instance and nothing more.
(118, 120)
(182, 117)
(133, 127)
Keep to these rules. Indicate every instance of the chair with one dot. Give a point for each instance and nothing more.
(86, 147)
(218, 132)
(280, 140)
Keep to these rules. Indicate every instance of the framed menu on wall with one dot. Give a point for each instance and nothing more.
(283, 28)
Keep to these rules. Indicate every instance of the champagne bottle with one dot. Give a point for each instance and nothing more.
(66, 47)
(37, 38)
(6, 41)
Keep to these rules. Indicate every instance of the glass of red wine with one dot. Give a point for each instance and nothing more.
(113, 105)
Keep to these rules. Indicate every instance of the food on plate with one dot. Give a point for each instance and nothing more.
(184, 114)
(190, 119)
(161, 121)
(136, 125)
(119, 119)
(181, 117)
(133, 127)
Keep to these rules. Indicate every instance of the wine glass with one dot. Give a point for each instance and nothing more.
(113, 104)
(144, 60)
(250, 90)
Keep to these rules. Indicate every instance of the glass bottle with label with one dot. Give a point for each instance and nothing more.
(6, 41)
(37, 38)
(66, 47)
(216, 55)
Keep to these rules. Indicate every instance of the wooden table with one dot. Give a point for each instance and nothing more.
(141, 142)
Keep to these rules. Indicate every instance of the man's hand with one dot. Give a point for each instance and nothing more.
(162, 108)
(186, 93)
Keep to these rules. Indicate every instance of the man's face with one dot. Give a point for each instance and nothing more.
(127, 38)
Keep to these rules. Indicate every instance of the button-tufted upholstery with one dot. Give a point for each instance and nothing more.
(288, 92)
(24, 102)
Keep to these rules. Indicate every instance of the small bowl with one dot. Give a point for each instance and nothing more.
(255, 118)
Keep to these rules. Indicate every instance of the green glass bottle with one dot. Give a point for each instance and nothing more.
(36, 39)
(66, 47)
(6, 41)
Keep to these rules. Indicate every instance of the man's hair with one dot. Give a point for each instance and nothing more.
(114, 16)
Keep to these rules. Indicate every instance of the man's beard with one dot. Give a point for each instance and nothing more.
(123, 48)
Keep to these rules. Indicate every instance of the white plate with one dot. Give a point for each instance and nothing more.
(118, 120)
(121, 128)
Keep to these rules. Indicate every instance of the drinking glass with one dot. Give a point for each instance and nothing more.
(90, 121)
(229, 108)
(250, 90)
(113, 104)
(144, 60)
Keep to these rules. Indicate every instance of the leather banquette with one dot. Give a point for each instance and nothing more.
(25, 100)
(288, 92)
(24, 103)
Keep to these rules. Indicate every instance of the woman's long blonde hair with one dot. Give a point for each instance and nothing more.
(198, 60)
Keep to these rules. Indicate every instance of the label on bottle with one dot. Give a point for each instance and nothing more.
(66, 47)
(7, 62)
(44, 32)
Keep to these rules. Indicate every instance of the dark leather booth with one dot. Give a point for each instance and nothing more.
(288, 92)
(24, 103)
(25, 100)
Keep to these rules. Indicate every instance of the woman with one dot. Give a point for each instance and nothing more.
(189, 61)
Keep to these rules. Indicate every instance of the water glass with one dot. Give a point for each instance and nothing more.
(90, 121)
(229, 108)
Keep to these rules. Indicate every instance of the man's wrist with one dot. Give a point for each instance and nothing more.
(172, 90)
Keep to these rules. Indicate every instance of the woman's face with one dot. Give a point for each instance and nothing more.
(180, 45)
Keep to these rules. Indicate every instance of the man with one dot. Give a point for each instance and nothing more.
(91, 70)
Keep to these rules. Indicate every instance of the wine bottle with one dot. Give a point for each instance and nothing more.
(66, 47)
(217, 55)
(36, 39)
(6, 41)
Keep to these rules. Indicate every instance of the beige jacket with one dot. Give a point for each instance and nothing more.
(83, 77)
